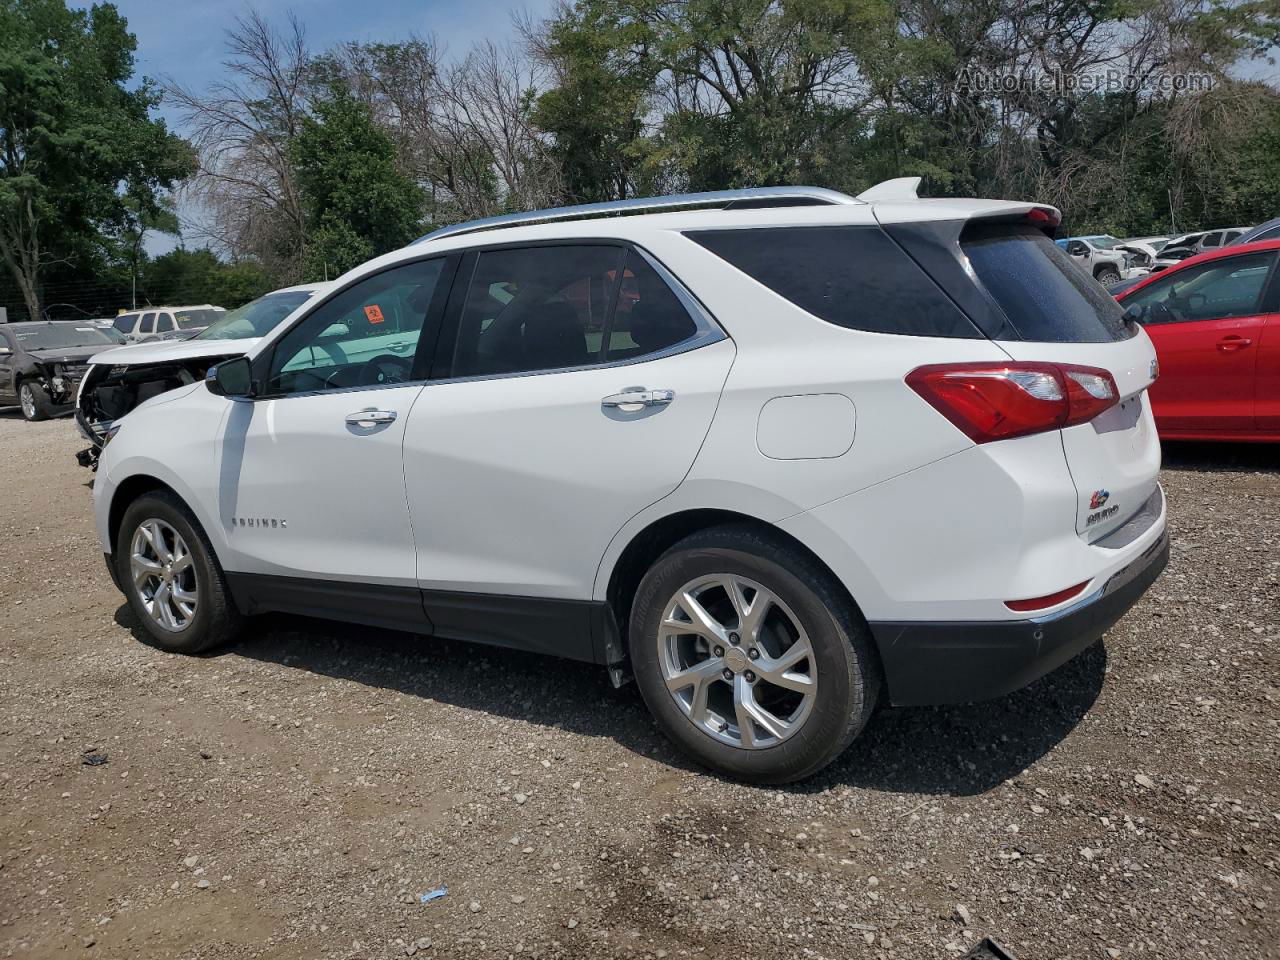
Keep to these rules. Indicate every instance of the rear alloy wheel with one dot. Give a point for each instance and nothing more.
(750, 655)
(737, 661)
(34, 402)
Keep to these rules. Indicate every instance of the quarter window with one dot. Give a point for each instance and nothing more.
(1230, 287)
(365, 336)
(854, 277)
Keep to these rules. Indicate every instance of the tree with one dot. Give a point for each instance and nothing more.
(242, 129)
(74, 140)
(357, 203)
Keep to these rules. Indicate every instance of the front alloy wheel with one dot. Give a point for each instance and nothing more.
(164, 577)
(736, 661)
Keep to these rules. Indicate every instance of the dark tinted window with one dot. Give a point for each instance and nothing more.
(648, 317)
(164, 323)
(148, 323)
(1046, 297)
(1272, 234)
(854, 277)
(1231, 287)
(536, 308)
(125, 323)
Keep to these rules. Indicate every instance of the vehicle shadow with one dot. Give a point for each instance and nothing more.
(953, 751)
(1221, 457)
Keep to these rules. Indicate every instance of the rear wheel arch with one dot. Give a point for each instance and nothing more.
(658, 537)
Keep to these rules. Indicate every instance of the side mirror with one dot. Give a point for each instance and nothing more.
(1134, 313)
(338, 329)
(231, 378)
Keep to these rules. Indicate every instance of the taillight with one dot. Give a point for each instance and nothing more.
(1042, 217)
(997, 401)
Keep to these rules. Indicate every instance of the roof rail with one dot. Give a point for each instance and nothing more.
(720, 199)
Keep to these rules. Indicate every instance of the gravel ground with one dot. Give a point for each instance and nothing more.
(294, 796)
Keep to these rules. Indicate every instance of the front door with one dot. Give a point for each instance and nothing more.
(312, 483)
(1206, 322)
(574, 387)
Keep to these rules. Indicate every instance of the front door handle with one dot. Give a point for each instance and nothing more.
(370, 418)
(639, 396)
(1233, 342)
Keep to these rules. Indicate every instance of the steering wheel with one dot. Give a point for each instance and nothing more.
(385, 368)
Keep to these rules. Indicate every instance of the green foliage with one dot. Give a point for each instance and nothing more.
(358, 204)
(198, 276)
(75, 141)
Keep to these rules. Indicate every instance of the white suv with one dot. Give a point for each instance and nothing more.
(776, 453)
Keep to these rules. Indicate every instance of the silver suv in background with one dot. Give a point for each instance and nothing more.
(166, 323)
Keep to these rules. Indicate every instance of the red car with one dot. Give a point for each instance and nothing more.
(1215, 323)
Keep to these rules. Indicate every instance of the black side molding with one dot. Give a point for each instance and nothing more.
(573, 629)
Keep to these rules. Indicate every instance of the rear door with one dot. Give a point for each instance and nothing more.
(1206, 321)
(575, 383)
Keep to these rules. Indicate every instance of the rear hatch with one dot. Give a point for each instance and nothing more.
(1055, 313)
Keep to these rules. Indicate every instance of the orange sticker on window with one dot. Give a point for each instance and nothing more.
(374, 313)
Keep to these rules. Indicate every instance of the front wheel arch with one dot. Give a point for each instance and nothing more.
(130, 490)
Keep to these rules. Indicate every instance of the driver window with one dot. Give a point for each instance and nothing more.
(1211, 291)
(367, 335)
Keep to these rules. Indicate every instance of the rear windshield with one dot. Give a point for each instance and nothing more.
(1044, 295)
(854, 277)
(194, 319)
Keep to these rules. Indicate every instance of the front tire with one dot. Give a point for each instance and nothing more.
(34, 402)
(1108, 276)
(750, 656)
(171, 578)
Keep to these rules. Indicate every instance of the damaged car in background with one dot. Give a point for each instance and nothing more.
(122, 379)
(42, 363)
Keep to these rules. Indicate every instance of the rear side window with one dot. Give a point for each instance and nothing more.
(1044, 295)
(148, 323)
(536, 308)
(854, 277)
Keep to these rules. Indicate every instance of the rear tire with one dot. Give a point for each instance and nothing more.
(766, 698)
(34, 402)
(171, 578)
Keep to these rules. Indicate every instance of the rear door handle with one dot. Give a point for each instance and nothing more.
(370, 418)
(639, 396)
(1233, 342)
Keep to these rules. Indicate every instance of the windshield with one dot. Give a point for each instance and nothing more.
(1102, 243)
(57, 336)
(256, 318)
(194, 319)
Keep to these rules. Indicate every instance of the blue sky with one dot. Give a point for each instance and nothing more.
(186, 39)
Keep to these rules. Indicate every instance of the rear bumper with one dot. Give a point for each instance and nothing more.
(965, 661)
